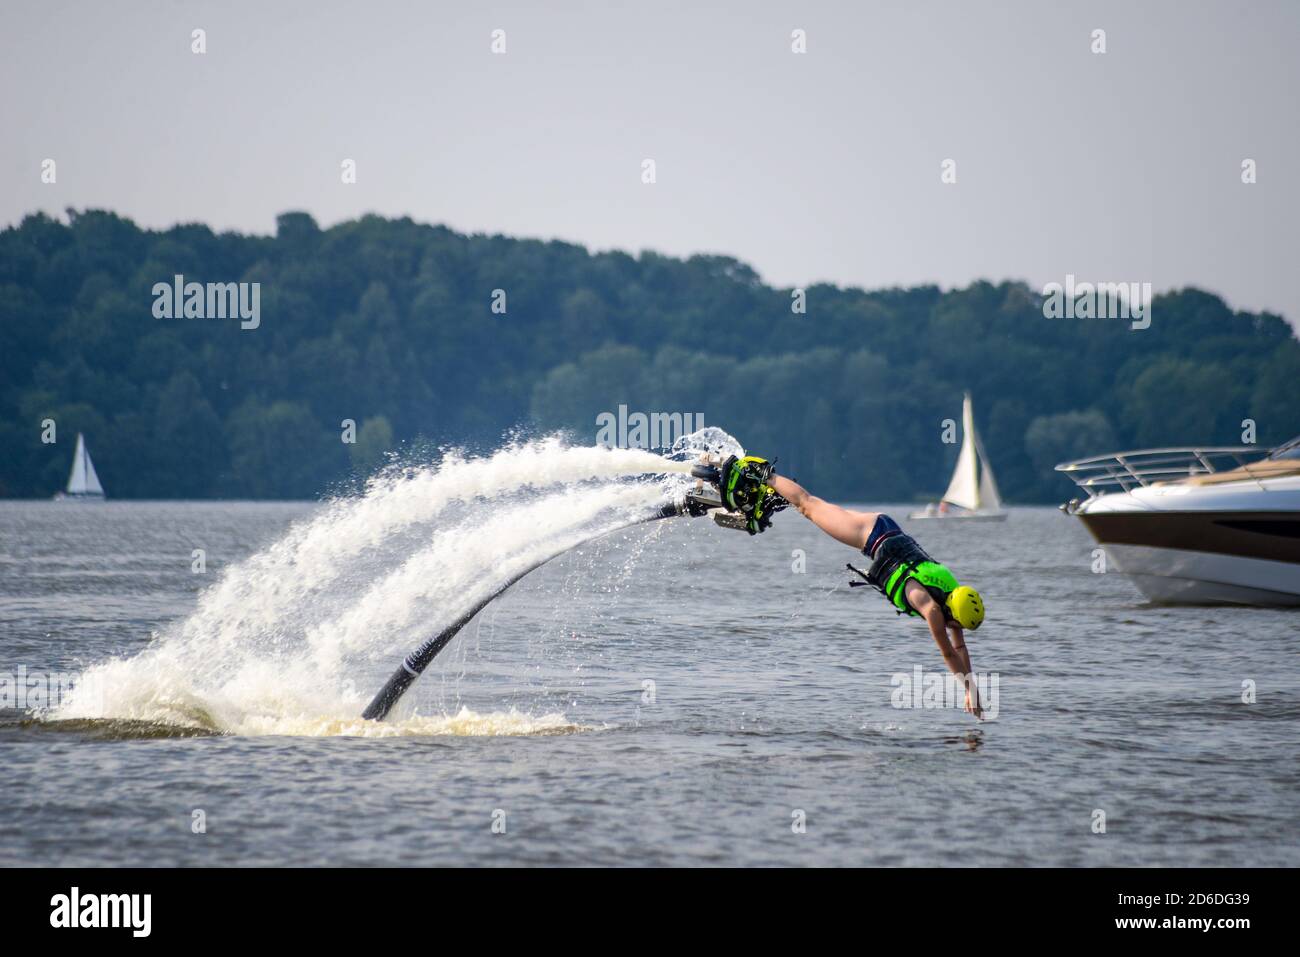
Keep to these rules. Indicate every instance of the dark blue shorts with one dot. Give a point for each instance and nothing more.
(884, 528)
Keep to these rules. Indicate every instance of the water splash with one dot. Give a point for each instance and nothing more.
(275, 646)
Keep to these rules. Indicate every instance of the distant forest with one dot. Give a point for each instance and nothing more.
(390, 323)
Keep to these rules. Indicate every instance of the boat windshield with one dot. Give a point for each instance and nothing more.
(1287, 450)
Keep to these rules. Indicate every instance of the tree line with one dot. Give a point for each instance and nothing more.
(426, 338)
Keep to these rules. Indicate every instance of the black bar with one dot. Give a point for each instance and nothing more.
(933, 909)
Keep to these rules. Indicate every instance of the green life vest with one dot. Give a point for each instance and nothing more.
(899, 558)
(933, 577)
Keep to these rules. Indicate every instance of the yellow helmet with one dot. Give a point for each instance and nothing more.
(966, 607)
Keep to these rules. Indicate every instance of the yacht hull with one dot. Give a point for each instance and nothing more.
(1173, 576)
(1201, 555)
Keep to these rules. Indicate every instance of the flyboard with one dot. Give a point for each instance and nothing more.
(699, 501)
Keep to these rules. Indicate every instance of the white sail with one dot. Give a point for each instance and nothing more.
(77, 480)
(92, 478)
(988, 490)
(973, 486)
(964, 489)
(83, 480)
(973, 490)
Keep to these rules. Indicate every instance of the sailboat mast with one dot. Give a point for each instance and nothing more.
(968, 437)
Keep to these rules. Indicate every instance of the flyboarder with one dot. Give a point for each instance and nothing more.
(749, 493)
(900, 569)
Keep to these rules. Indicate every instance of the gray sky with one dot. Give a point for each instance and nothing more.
(823, 166)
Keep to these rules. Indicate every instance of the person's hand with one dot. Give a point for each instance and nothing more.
(973, 706)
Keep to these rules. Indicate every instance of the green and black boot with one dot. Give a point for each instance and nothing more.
(742, 483)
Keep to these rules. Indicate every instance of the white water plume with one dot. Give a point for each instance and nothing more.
(273, 646)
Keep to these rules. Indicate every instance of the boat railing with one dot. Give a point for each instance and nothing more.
(1144, 467)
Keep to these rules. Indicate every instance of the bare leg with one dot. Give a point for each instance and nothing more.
(849, 527)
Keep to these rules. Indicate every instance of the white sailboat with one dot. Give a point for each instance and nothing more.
(83, 482)
(973, 492)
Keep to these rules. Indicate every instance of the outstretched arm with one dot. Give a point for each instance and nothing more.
(842, 524)
(958, 641)
(955, 655)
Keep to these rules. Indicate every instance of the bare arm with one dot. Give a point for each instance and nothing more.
(972, 692)
(958, 641)
(954, 653)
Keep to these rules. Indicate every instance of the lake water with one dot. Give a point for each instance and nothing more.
(673, 694)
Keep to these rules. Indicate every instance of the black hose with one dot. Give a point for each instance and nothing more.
(415, 663)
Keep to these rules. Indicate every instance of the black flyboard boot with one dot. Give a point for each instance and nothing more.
(743, 489)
